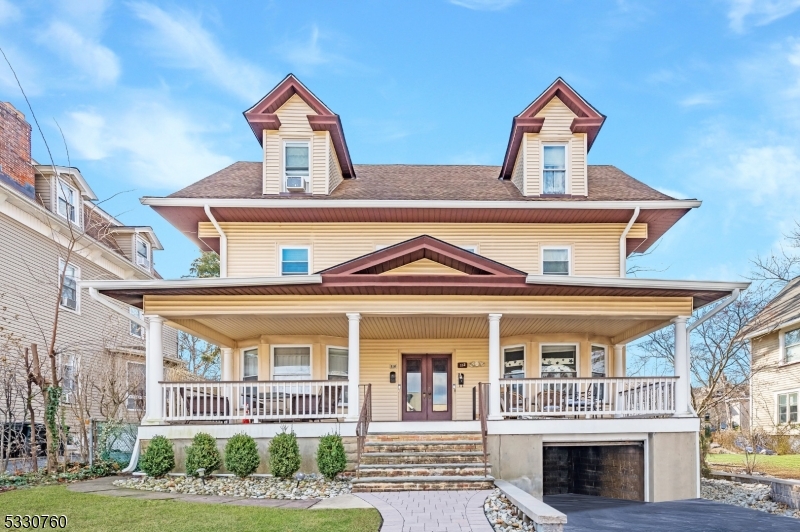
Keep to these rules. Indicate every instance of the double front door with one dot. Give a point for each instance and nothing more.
(427, 388)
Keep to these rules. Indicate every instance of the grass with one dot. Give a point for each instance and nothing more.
(783, 466)
(97, 512)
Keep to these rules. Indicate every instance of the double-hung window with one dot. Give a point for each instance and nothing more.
(137, 386)
(555, 261)
(337, 369)
(514, 362)
(291, 363)
(787, 407)
(791, 346)
(67, 201)
(250, 365)
(136, 329)
(70, 297)
(296, 165)
(555, 169)
(294, 261)
(69, 378)
(142, 253)
(599, 361)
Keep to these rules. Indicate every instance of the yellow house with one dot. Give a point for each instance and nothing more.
(453, 320)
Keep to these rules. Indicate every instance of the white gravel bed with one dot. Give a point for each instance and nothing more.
(755, 496)
(310, 487)
(500, 513)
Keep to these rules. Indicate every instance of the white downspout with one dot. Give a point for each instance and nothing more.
(623, 252)
(223, 243)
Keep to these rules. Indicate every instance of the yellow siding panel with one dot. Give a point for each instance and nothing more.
(533, 170)
(557, 120)
(294, 126)
(334, 169)
(424, 267)
(518, 174)
(294, 117)
(319, 163)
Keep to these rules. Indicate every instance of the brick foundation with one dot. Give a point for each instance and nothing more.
(615, 471)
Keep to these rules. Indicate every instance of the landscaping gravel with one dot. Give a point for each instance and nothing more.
(755, 496)
(500, 513)
(310, 487)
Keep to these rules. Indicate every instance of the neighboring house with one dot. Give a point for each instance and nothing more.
(434, 307)
(774, 336)
(42, 211)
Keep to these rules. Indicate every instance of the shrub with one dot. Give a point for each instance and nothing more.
(202, 454)
(241, 455)
(284, 454)
(159, 457)
(331, 459)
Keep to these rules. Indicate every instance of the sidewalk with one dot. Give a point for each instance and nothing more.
(431, 511)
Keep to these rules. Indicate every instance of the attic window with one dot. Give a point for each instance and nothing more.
(142, 253)
(296, 165)
(67, 201)
(555, 169)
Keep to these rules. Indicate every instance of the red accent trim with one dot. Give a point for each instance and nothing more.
(589, 125)
(260, 122)
(333, 125)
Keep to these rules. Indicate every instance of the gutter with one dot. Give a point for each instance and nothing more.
(206, 282)
(223, 242)
(634, 282)
(623, 244)
(730, 299)
(107, 302)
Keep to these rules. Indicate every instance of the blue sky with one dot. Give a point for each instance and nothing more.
(702, 98)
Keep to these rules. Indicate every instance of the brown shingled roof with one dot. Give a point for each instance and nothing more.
(784, 308)
(421, 182)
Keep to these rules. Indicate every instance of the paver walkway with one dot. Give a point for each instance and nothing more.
(431, 511)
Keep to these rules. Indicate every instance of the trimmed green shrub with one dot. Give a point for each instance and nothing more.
(159, 457)
(202, 454)
(331, 459)
(241, 455)
(284, 454)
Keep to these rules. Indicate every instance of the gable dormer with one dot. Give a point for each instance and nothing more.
(63, 191)
(304, 149)
(546, 154)
(136, 243)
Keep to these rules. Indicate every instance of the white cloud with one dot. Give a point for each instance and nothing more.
(759, 12)
(696, 100)
(769, 174)
(9, 12)
(151, 143)
(181, 38)
(484, 5)
(85, 53)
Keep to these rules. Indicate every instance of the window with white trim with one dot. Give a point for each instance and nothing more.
(142, 253)
(136, 378)
(471, 249)
(294, 260)
(136, 329)
(250, 364)
(69, 378)
(67, 201)
(514, 362)
(70, 296)
(599, 368)
(291, 363)
(791, 346)
(555, 261)
(296, 165)
(554, 169)
(559, 361)
(787, 408)
(338, 360)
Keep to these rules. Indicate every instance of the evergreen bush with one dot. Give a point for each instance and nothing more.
(202, 454)
(159, 457)
(241, 455)
(331, 459)
(284, 454)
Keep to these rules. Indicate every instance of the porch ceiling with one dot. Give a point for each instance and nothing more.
(240, 328)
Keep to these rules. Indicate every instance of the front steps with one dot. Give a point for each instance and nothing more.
(418, 462)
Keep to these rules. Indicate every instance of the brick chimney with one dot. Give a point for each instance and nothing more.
(15, 149)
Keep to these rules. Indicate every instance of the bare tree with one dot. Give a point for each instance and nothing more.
(201, 358)
(779, 267)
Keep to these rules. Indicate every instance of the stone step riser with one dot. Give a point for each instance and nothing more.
(423, 448)
(377, 438)
(422, 486)
(469, 471)
(420, 459)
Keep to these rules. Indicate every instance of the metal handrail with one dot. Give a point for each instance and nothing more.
(364, 417)
(483, 413)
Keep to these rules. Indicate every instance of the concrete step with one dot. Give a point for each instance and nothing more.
(427, 436)
(428, 483)
(423, 446)
(450, 457)
(423, 470)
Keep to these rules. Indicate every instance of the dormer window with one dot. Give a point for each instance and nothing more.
(142, 253)
(555, 169)
(296, 165)
(67, 201)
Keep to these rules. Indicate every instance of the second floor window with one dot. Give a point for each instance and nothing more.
(296, 165)
(142, 253)
(69, 287)
(67, 201)
(787, 408)
(294, 261)
(555, 170)
(136, 329)
(791, 346)
(555, 261)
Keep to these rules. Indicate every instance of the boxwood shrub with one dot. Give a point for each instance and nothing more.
(159, 457)
(202, 454)
(331, 459)
(284, 454)
(241, 455)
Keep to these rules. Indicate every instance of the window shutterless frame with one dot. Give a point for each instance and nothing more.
(509, 368)
(786, 407)
(296, 163)
(554, 268)
(789, 345)
(554, 172)
(70, 294)
(67, 201)
(142, 252)
(293, 266)
(577, 347)
(595, 362)
(136, 381)
(249, 352)
(304, 346)
(136, 329)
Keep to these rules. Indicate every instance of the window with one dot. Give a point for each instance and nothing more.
(294, 261)
(787, 408)
(70, 297)
(250, 365)
(514, 362)
(142, 253)
(69, 378)
(136, 329)
(555, 261)
(291, 363)
(296, 165)
(137, 386)
(337, 369)
(791, 346)
(559, 361)
(67, 201)
(555, 170)
(599, 361)
(471, 249)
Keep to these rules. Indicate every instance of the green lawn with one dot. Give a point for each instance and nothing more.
(96, 512)
(784, 466)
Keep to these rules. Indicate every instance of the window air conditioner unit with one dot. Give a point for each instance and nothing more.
(296, 183)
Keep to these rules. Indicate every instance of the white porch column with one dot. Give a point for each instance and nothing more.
(494, 366)
(154, 371)
(683, 386)
(353, 365)
(619, 363)
(226, 353)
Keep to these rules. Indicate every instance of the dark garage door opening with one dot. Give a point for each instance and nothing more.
(605, 470)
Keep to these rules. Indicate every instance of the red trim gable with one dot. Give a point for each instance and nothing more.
(262, 116)
(588, 120)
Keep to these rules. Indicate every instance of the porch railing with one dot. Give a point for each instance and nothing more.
(618, 397)
(364, 418)
(483, 413)
(253, 401)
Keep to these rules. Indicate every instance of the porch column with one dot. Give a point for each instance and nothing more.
(619, 363)
(494, 366)
(154, 371)
(683, 386)
(353, 366)
(226, 354)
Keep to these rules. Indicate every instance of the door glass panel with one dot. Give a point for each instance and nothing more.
(413, 385)
(439, 385)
